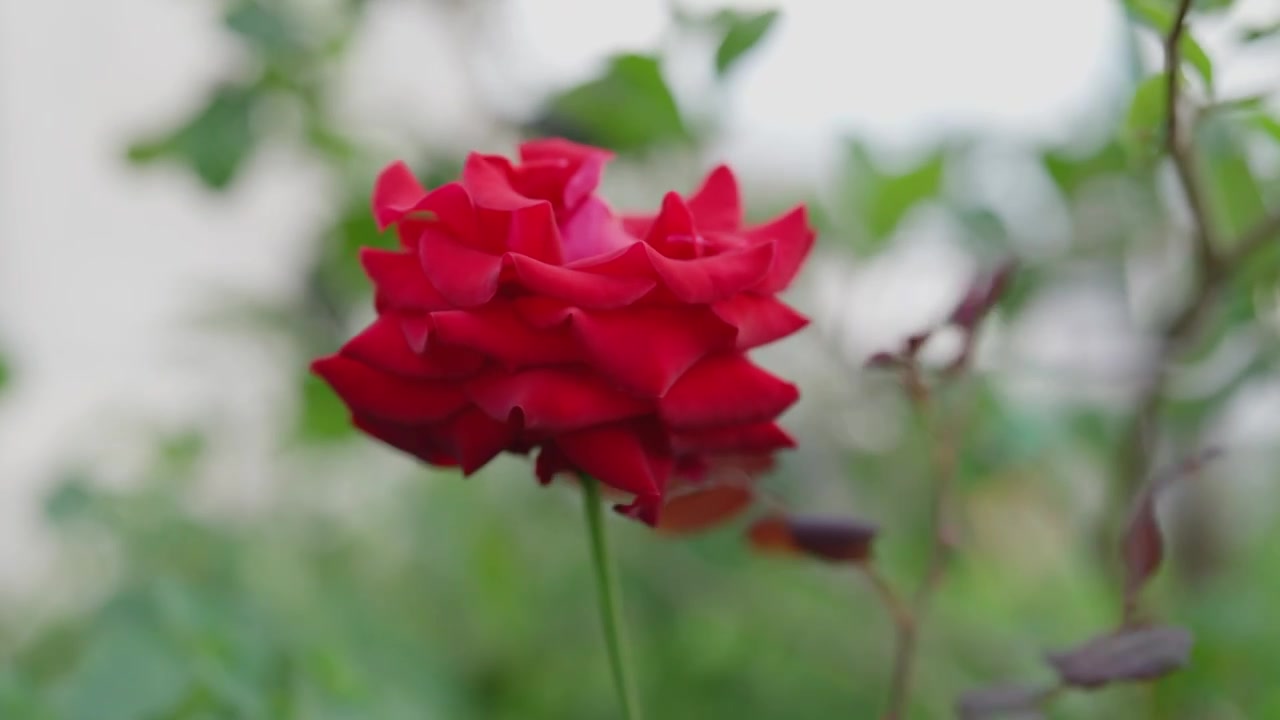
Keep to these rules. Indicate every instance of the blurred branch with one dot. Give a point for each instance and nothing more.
(1268, 229)
(908, 619)
(1181, 150)
(1215, 272)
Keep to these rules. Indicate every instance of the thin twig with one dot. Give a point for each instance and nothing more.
(1135, 446)
(1181, 150)
(1215, 274)
(889, 597)
(942, 457)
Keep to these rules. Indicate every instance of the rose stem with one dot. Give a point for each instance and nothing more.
(607, 598)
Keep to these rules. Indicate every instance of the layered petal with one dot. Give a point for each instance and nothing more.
(395, 192)
(383, 346)
(672, 232)
(522, 314)
(760, 437)
(725, 390)
(759, 319)
(399, 283)
(463, 275)
(424, 441)
(717, 205)
(793, 238)
(590, 287)
(646, 349)
(370, 392)
(498, 331)
(553, 400)
(398, 199)
(715, 278)
(474, 438)
(621, 457)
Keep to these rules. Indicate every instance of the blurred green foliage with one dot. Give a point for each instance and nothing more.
(439, 598)
(629, 108)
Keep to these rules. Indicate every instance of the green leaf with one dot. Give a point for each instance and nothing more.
(71, 499)
(128, 672)
(263, 26)
(629, 108)
(1071, 172)
(1234, 195)
(742, 32)
(1261, 32)
(882, 199)
(19, 697)
(1268, 125)
(5, 373)
(1159, 17)
(214, 143)
(1199, 59)
(1145, 121)
(322, 417)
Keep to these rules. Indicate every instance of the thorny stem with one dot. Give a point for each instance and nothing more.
(909, 617)
(607, 597)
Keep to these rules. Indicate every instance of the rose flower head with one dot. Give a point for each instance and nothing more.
(521, 313)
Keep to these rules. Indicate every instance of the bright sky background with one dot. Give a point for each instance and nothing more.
(101, 264)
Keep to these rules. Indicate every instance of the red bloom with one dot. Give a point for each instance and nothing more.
(520, 312)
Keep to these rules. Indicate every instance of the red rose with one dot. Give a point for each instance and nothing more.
(520, 312)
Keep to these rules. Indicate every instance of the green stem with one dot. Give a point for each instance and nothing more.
(607, 598)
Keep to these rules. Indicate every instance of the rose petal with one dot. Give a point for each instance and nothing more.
(399, 282)
(465, 276)
(674, 220)
(499, 332)
(477, 438)
(586, 287)
(424, 441)
(382, 346)
(370, 392)
(704, 508)
(725, 390)
(488, 179)
(717, 205)
(395, 192)
(793, 239)
(646, 349)
(759, 319)
(617, 456)
(715, 278)
(592, 232)
(759, 437)
(553, 400)
(533, 232)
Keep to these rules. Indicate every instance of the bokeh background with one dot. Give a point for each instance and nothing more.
(189, 529)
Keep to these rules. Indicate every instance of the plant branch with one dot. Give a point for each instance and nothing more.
(1255, 239)
(1180, 148)
(1215, 273)
(909, 617)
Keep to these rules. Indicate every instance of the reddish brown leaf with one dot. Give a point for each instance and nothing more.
(1129, 655)
(771, 534)
(1004, 701)
(884, 360)
(913, 343)
(1143, 545)
(1142, 548)
(703, 508)
(833, 539)
(983, 295)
